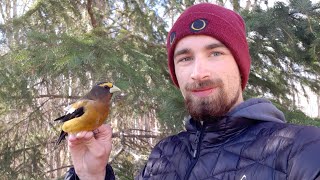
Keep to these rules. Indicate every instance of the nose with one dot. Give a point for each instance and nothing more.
(200, 70)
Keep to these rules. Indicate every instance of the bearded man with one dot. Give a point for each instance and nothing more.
(225, 137)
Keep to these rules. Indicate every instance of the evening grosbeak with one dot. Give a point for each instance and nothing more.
(89, 112)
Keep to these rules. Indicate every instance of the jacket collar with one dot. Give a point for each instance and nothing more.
(241, 117)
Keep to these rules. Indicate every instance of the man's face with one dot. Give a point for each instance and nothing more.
(208, 76)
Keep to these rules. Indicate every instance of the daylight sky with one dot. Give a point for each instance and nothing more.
(271, 2)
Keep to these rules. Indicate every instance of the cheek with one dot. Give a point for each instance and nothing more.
(228, 71)
(181, 76)
(182, 80)
(234, 80)
(182, 87)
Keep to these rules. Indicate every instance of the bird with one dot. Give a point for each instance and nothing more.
(89, 112)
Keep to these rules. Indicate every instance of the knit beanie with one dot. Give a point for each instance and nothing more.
(218, 22)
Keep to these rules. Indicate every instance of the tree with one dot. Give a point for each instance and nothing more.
(280, 45)
(58, 50)
(65, 48)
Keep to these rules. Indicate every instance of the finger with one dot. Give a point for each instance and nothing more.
(88, 135)
(105, 133)
(76, 137)
(73, 141)
(84, 135)
(71, 137)
(102, 143)
(99, 144)
(81, 134)
(79, 138)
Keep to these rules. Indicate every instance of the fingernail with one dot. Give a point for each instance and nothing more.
(71, 136)
(81, 134)
(78, 134)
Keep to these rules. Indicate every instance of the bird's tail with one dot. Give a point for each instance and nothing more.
(60, 118)
(61, 137)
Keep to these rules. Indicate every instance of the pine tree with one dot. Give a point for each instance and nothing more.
(56, 50)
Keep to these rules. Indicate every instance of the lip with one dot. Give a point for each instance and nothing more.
(202, 92)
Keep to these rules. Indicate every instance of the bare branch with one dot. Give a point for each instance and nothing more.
(62, 167)
(52, 96)
(91, 14)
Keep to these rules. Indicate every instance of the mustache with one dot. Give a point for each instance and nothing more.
(208, 83)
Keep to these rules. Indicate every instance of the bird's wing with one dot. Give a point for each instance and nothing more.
(75, 110)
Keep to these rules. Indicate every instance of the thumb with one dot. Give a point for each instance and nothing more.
(99, 144)
(102, 143)
(104, 133)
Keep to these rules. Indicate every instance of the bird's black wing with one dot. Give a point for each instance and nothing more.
(76, 113)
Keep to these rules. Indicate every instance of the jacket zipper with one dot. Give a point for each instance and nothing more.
(196, 151)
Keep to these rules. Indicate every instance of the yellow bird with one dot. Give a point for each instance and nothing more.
(89, 112)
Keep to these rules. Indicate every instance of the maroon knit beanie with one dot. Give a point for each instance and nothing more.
(218, 22)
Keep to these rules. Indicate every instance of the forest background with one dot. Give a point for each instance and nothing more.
(52, 52)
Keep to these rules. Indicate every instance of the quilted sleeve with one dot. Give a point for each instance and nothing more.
(146, 171)
(304, 159)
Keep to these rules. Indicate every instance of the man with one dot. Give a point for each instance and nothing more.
(225, 137)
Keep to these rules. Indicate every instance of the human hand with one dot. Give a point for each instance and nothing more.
(90, 152)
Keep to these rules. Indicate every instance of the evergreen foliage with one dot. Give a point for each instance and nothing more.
(57, 50)
(280, 44)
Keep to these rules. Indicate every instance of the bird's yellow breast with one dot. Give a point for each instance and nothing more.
(95, 113)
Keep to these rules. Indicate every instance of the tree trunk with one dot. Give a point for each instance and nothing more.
(318, 97)
(248, 5)
(220, 2)
(236, 5)
(318, 100)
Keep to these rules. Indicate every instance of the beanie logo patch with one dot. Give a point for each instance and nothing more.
(172, 37)
(198, 25)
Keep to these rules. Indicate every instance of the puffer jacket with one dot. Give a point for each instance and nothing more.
(252, 142)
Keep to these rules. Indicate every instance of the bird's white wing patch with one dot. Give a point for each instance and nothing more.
(70, 109)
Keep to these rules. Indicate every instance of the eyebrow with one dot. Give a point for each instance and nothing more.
(182, 51)
(214, 45)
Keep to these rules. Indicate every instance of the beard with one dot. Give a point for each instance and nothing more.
(212, 107)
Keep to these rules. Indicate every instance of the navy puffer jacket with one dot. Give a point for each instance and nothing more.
(251, 142)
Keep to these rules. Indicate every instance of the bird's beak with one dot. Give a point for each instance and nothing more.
(114, 89)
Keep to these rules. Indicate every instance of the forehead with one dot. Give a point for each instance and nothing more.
(196, 41)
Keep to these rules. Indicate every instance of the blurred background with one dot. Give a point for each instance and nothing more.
(52, 52)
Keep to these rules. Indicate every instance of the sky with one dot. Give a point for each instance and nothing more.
(271, 2)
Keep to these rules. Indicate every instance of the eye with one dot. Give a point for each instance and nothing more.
(106, 87)
(216, 53)
(185, 59)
